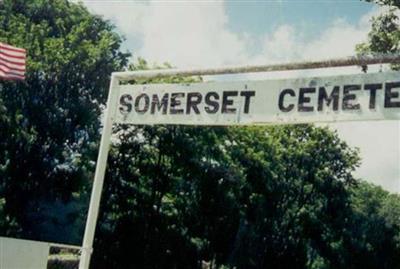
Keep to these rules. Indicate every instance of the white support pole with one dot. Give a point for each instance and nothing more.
(398, 160)
(90, 228)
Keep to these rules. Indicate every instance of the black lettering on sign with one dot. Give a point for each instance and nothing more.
(281, 100)
(125, 102)
(303, 100)
(372, 93)
(175, 102)
(332, 98)
(212, 105)
(138, 99)
(228, 102)
(247, 95)
(193, 100)
(348, 97)
(158, 104)
(389, 94)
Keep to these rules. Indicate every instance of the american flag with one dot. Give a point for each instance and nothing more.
(12, 62)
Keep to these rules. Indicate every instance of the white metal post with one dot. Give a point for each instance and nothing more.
(398, 151)
(93, 211)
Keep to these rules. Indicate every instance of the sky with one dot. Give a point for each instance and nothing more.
(210, 33)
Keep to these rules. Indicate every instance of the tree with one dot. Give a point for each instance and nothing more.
(71, 54)
(8, 224)
(390, 3)
(297, 203)
(374, 230)
(384, 36)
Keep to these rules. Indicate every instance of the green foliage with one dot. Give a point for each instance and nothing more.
(384, 37)
(249, 197)
(8, 225)
(374, 228)
(391, 3)
(296, 184)
(374, 231)
(54, 113)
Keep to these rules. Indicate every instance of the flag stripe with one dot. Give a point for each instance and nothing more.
(20, 68)
(11, 71)
(11, 49)
(11, 77)
(12, 53)
(11, 74)
(3, 45)
(12, 60)
(8, 76)
(19, 56)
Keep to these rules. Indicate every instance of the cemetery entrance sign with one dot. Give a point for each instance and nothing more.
(340, 98)
(358, 97)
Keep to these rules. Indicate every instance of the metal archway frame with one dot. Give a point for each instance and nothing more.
(118, 77)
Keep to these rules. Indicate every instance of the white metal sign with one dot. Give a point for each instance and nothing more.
(339, 98)
(23, 254)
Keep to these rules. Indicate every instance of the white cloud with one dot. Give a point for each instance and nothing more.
(338, 40)
(128, 16)
(197, 33)
(379, 147)
(282, 45)
(193, 34)
(184, 34)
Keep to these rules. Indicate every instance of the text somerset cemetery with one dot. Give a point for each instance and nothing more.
(249, 100)
(187, 103)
